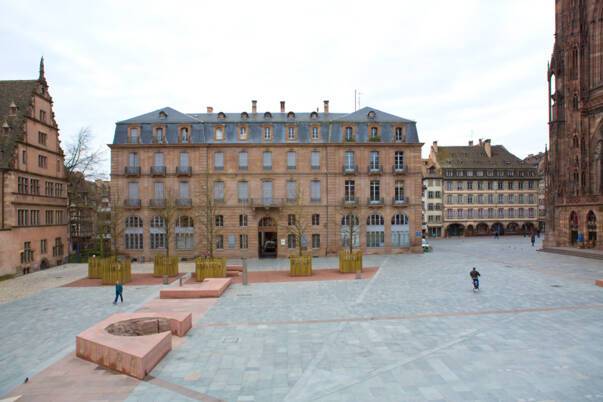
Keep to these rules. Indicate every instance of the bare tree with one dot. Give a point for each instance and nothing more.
(81, 157)
(169, 213)
(207, 212)
(350, 225)
(115, 225)
(298, 227)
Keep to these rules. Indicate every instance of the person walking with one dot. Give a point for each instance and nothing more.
(533, 239)
(119, 289)
(475, 277)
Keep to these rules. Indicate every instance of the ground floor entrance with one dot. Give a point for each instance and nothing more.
(267, 242)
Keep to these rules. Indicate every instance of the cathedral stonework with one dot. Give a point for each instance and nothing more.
(574, 171)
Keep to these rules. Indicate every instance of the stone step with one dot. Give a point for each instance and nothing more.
(574, 253)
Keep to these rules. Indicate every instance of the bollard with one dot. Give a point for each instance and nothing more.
(245, 272)
(181, 281)
(165, 280)
(358, 273)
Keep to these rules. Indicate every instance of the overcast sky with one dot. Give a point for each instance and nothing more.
(461, 69)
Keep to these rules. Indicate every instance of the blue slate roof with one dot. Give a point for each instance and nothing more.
(332, 126)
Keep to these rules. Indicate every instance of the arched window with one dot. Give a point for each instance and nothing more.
(134, 233)
(400, 230)
(313, 116)
(157, 232)
(574, 225)
(591, 227)
(371, 115)
(267, 116)
(291, 116)
(244, 116)
(221, 116)
(375, 231)
(184, 233)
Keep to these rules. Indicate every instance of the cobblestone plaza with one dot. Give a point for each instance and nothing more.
(415, 331)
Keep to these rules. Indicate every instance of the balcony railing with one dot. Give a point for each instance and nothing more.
(184, 202)
(267, 202)
(157, 203)
(350, 201)
(399, 200)
(158, 170)
(353, 169)
(132, 171)
(132, 203)
(184, 171)
(375, 169)
(398, 169)
(375, 202)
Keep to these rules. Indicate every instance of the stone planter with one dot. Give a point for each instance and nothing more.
(210, 268)
(164, 265)
(350, 262)
(300, 265)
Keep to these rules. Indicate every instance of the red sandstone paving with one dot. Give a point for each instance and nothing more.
(137, 280)
(329, 274)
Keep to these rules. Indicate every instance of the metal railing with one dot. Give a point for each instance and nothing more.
(349, 202)
(399, 200)
(375, 202)
(350, 169)
(398, 169)
(158, 170)
(132, 203)
(132, 170)
(157, 203)
(184, 170)
(266, 202)
(375, 169)
(184, 202)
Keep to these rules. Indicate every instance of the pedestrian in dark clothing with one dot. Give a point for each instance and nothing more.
(119, 289)
(475, 277)
(533, 239)
(496, 234)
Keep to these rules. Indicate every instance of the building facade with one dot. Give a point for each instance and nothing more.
(538, 161)
(33, 186)
(432, 199)
(264, 171)
(575, 161)
(485, 190)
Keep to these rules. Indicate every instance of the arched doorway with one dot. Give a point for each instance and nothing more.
(591, 227)
(573, 227)
(469, 231)
(482, 228)
(400, 231)
(528, 228)
(512, 228)
(497, 228)
(44, 263)
(267, 238)
(455, 229)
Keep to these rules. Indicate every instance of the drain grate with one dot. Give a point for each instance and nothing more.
(555, 286)
(230, 339)
(244, 294)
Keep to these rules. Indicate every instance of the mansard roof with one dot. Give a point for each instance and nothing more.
(475, 156)
(203, 124)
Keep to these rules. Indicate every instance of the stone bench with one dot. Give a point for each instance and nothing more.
(235, 268)
(210, 287)
(132, 355)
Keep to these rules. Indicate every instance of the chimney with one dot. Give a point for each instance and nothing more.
(210, 109)
(470, 143)
(488, 148)
(254, 106)
(326, 107)
(282, 106)
(435, 146)
(480, 142)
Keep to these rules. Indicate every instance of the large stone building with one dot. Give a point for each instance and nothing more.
(539, 162)
(89, 212)
(432, 199)
(486, 189)
(575, 163)
(33, 186)
(258, 168)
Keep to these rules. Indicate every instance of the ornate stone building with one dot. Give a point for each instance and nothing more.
(265, 171)
(432, 199)
(575, 160)
(486, 189)
(33, 186)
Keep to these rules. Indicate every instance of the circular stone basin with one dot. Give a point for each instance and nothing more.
(139, 326)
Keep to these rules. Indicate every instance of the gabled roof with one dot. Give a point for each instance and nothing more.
(475, 156)
(171, 116)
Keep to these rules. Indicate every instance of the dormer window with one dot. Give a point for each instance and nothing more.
(243, 133)
(219, 134)
(221, 116)
(12, 109)
(162, 115)
(159, 138)
(184, 135)
(349, 134)
(134, 135)
(267, 133)
(315, 133)
(267, 116)
(371, 115)
(374, 133)
(291, 133)
(244, 116)
(314, 116)
(398, 134)
(5, 128)
(290, 116)
(43, 115)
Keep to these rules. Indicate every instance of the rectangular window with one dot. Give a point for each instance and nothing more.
(291, 241)
(530, 184)
(520, 185)
(375, 239)
(243, 191)
(291, 160)
(314, 133)
(291, 190)
(470, 199)
(243, 160)
(438, 194)
(35, 186)
(42, 161)
(159, 193)
(459, 185)
(267, 134)
(315, 190)
(219, 161)
(157, 238)
(398, 134)
(349, 160)
(470, 213)
(350, 190)
(374, 160)
(449, 199)
(449, 213)
(501, 185)
(134, 138)
(399, 190)
(243, 135)
(219, 242)
(315, 219)
(22, 217)
(349, 134)
(510, 185)
(133, 190)
(232, 241)
(219, 134)
(159, 135)
(501, 212)
(469, 185)
(315, 241)
(291, 220)
(27, 255)
(291, 133)
(501, 199)
(219, 220)
(375, 190)
(480, 198)
(530, 212)
(267, 191)
(59, 216)
(530, 198)
(243, 220)
(520, 199)
(158, 159)
(184, 137)
(315, 160)
(43, 115)
(133, 159)
(243, 241)
(49, 218)
(520, 212)
(183, 159)
(43, 246)
(267, 160)
(42, 138)
(490, 212)
(490, 198)
(219, 191)
(449, 185)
